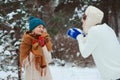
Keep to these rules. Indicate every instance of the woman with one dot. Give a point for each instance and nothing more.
(35, 51)
(100, 41)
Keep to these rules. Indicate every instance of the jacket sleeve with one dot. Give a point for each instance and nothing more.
(87, 44)
(25, 48)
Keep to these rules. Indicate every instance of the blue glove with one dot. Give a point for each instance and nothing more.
(74, 32)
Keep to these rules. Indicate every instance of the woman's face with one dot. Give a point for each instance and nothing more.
(83, 21)
(38, 30)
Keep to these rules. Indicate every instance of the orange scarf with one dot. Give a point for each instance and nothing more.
(27, 46)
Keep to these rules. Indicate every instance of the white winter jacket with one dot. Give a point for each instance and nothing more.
(101, 42)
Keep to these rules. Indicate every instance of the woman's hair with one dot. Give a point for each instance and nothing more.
(84, 17)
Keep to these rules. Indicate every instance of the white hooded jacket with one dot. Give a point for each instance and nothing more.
(101, 42)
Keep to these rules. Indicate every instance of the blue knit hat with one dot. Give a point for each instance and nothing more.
(34, 22)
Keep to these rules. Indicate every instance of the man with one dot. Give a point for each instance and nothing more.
(100, 41)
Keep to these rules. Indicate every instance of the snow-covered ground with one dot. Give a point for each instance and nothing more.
(74, 73)
(65, 73)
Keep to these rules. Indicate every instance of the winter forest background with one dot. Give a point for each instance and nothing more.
(59, 16)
